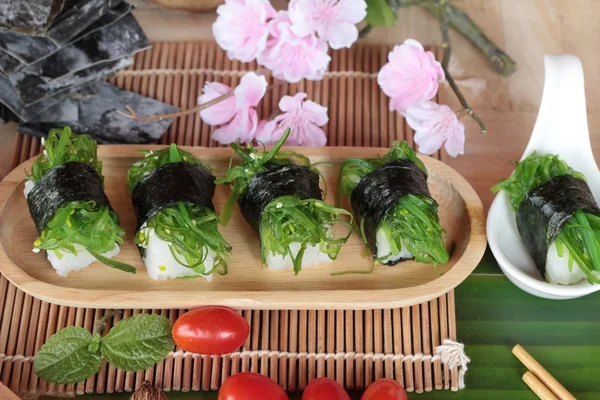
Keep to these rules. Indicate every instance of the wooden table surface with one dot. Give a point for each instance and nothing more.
(527, 29)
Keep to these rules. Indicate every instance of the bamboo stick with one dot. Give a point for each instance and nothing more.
(293, 346)
(13, 338)
(398, 333)
(264, 359)
(538, 387)
(200, 80)
(26, 374)
(360, 347)
(186, 89)
(378, 342)
(359, 93)
(255, 332)
(388, 344)
(426, 332)
(368, 346)
(171, 90)
(417, 347)
(443, 314)
(409, 383)
(452, 333)
(339, 346)
(333, 106)
(302, 348)
(215, 376)
(349, 362)
(350, 139)
(541, 373)
(275, 344)
(283, 345)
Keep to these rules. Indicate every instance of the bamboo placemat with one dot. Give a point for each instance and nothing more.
(294, 346)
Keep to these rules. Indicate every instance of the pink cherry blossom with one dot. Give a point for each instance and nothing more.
(291, 57)
(411, 75)
(334, 20)
(304, 118)
(238, 112)
(242, 27)
(219, 113)
(435, 124)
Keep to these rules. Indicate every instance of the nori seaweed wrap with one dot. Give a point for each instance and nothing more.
(279, 195)
(557, 218)
(177, 228)
(396, 215)
(66, 200)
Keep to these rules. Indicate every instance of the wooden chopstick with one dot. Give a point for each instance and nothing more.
(538, 387)
(540, 372)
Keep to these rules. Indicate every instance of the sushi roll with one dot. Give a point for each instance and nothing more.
(177, 228)
(279, 195)
(557, 218)
(66, 199)
(396, 215)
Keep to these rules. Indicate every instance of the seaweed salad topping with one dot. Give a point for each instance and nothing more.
(392, 199)
(553, 203)
(67, 201)
(172, 194)
(278, 192)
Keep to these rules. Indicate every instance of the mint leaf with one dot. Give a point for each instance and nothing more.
(379, 13)
(69, 356)
(138, 342)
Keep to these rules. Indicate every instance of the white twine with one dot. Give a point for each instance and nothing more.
(450, 353)
(453, 355)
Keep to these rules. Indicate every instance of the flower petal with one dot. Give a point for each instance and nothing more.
(340, 35)
(250, 91)
(290, 103)
(221, 112)
(455, 143)
(315, 113)
(242, 127)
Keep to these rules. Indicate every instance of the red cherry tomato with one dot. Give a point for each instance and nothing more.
(385, 389)
(325, 389)
(210, 330)
(250, 386)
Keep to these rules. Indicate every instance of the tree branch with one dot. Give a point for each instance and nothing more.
(461, 21)
(446, 45)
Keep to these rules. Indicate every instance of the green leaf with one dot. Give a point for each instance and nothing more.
(379, 13)
(138, 342)
(69, 356)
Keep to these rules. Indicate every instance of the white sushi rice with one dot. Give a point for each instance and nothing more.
(69, 262)
(557, 268)
(312, 256)
(28, 187)
(384, 248)
(161, 264)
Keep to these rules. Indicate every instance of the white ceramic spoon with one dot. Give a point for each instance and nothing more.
(561, 128)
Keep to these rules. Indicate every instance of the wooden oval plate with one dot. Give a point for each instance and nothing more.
(247, 285)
